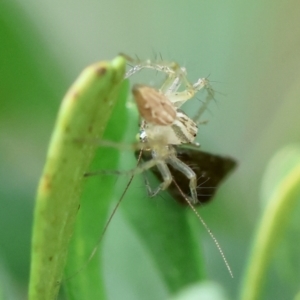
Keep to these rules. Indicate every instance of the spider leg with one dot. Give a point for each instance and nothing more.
(168, 68)
(176, 76)
(179, 98)
(167, 179)
(138, 170)
(171, 84)
(203, 107)
(189, 173)
(165, 67)
(173, 81)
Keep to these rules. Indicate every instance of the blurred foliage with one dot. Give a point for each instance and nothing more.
(251, 49)
(31, 85)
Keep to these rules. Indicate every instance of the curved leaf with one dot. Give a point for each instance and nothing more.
(281, 191)
(84, 112)
(84, 278)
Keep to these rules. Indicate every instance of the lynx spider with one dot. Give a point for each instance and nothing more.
(164, 124)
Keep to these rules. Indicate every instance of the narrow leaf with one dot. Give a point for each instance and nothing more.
(84, 113)
(281, 191)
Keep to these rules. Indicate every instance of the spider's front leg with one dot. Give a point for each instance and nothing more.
(203, 83)
(179, 98)
(137, 65)
(173, 80)
(175, 75)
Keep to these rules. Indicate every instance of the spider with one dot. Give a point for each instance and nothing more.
(164, 126)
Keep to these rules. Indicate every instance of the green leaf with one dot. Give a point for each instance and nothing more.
(281, 193)
(83, 115)
(84, 278)
(297, 297)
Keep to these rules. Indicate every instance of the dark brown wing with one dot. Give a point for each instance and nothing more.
(210, 169)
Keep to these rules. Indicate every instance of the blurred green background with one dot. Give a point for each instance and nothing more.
(251, 51)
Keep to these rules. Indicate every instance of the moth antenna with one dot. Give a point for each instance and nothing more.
(206, 227)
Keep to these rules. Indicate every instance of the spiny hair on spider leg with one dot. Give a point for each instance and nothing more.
(170, 68)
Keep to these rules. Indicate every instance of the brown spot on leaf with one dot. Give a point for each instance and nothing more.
(101, 71)
(47, 182)
(75, 95)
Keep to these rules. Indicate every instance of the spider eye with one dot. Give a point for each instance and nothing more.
(142, 136)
